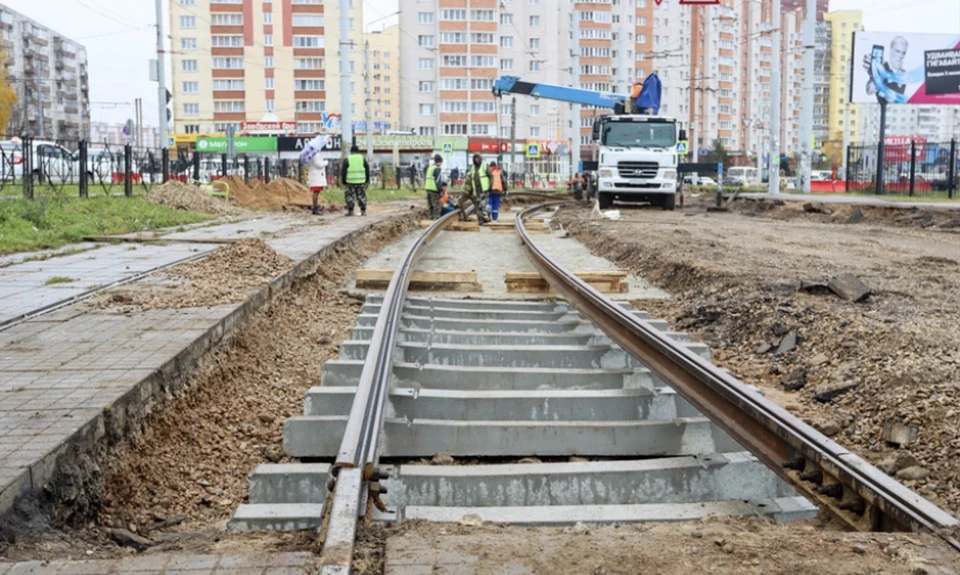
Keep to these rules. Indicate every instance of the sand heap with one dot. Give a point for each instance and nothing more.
(276, 195)
(187, 197)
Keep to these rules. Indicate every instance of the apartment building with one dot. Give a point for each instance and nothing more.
(384, 51)
(49, 73)
(844, 116)
(823, 67)
(237, 61)
(114, 134)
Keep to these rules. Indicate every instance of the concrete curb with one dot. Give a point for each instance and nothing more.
(73, 462)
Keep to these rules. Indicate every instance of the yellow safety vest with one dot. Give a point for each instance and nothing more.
(431, 183)
(356, 174)
(484, 178)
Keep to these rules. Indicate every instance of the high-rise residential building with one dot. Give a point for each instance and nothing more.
(714, 63)
(237, 61)
(844, 116)
(103, 133)
(823, 68)
(384, 52)
(49, 73)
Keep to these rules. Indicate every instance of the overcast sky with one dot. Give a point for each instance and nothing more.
(120, 39)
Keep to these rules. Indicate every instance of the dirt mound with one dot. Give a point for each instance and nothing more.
(226, 276)
(276, 195)
(187, 197)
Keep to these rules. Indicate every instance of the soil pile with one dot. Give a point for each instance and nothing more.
(880, 375)
(226, 276)
(278, 194)
(186, 197)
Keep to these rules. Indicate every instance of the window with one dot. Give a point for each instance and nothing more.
(311, 20)
(506, 41)
(231, 84)
(453, 106)
(425, 40)
(270, 105)
(506, 19)
(227, 63)
(426, 86)
(534, 65)
(535, 22)
(187, 2)
(427, 131)
(486, 106)
(482, 38)
(506, 63)
(534, 43)
(481, 84)
(309, 85)
(454, 60)
(268, 84)
(268, 18)
(453, 84)
(191, 87)
(482, 15)
(311, 106)
(188, 21)
(188, 43)
(534, 131)
(454, 129)
(453, 38)
(224, 126)
(308, 42)
(308, 63)
(535, 110)
(268, 62)
(454, 15)
(427, 63)
(226, 19)
(481, 61)
(191, 109)
(427, 109)
(482, 129)
(191, 129)
(268, 39)
(425, 17)
(228, 106)
(506, 109)
(226, 41)
(188, 65)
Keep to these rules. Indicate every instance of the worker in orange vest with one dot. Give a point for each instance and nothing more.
(498, 187)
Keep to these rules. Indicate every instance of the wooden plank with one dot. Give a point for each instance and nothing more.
(158, 239)
(455, 226)
(422, 280)
(532, 282)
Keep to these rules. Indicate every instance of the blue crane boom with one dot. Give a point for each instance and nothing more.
(514, 85)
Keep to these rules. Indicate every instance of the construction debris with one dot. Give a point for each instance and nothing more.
(187, 197)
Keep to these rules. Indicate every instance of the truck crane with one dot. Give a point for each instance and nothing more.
(638, 150)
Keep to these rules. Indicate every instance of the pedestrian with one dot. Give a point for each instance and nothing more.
(317, 179)
(455, 176)
(577, 186)
(475, 188)
(355, 175)
(498, 189)
(434, 186)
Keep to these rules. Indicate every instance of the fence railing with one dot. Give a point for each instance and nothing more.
(919, 168)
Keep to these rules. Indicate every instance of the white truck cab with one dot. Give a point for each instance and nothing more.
(637, 159)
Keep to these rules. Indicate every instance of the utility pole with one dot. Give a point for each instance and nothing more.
(806, 101)
(366, 66)
(575, 70)
(161, 79)
(758, 128)
(775, 88)
(513, 134)
(40, 95)
(346, 114)
(138, 116)
(846, 136)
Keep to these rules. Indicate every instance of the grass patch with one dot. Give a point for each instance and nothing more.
(52, 220)
(58, 280)
(374, 195)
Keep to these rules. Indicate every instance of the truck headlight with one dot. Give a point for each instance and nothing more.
(606, 172)
(670, 174)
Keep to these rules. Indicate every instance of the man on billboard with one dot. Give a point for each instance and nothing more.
(886, 74)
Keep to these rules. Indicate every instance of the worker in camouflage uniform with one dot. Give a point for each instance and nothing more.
(434, 186)
(476, 186)
(355, 175)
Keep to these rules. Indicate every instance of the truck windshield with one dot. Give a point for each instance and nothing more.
(639, 134)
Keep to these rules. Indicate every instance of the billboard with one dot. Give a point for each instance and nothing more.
(905, 68)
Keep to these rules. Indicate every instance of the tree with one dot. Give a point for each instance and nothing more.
(717, 153)
(8, 96)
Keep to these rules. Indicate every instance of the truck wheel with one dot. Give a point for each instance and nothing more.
(605, 200)
(669, 202)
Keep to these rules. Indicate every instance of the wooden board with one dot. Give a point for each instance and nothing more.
(454, 226)
(532, 282)
(422, 281)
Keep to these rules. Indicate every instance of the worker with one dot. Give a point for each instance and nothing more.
(355, 175)
(475, 188)
(434, 185)
(576, 186)
(498, 188)
(592, 184)
(317, 179)
(445, 205)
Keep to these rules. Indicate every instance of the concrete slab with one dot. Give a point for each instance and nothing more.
(319, 437)
(276, 517)
(173, 564)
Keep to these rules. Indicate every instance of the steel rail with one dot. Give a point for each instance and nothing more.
(846, 485)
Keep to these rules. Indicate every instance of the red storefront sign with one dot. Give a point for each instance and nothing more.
(487, 145)
(268, 127)
(897, 148)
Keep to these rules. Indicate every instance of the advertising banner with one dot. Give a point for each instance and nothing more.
(897, 148)
(240, 145)
(296, 143)
(905, 68)
(268, 127)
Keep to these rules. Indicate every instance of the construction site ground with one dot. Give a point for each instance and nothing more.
(734, 281)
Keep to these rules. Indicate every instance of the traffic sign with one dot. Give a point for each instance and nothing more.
(533, 150)
(704, 151)
(683, 147)
(448, 149)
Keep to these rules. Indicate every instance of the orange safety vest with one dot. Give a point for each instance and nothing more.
(497, 182)
(444, 198)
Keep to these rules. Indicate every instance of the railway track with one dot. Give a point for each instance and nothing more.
(549, 412)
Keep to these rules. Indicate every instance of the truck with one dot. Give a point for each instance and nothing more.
(637, 156)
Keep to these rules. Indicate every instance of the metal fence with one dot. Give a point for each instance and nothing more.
(919, 168)
(30, 166)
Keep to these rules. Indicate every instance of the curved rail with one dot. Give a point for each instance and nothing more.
(849, 487)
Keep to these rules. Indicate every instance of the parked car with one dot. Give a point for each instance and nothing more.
(708, 182)
(51, 163)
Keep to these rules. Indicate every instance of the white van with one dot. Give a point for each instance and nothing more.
(744, 175)
(51, 162)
